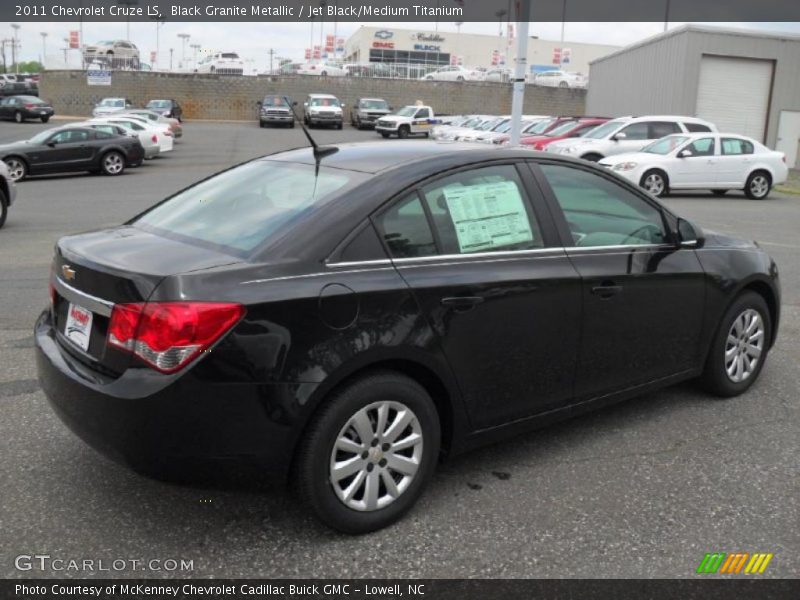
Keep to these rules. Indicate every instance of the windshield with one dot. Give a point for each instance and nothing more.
(323, 102)
(665, 145)
(407, 111)
(41, 137)
(245, 207)
(604, 130)
(539, 126)
(115, 102)
(374, 104)
(159, 104)
(229, 55)
(274, 101)
(562, 129)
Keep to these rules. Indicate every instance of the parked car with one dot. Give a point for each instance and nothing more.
(144, 128)
(275, 110)
(21, 108)
(221, 63)
(440, 132)
(71, 148)
(8, 192)
(717, 162)
(498, 75)
(627, 134)
(168, 107)
(571, 129)
(110, 106)
(323, 109)
(562, 79)
(409, 120)
(454, 73)
(113, 53)
(154, 117)
(367, 111)
(535, 126)
(503, 131)
(451, 133)
(322, 69)
(19, 88)
(352, 293)
(489, 126)
(148, 140)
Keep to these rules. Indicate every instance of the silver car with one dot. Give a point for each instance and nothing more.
(8, 192)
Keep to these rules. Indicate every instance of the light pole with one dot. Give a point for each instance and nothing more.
(44, 46)
(184, 37)
(195, 48)
(321, 27)
(458, 38)
(15, 27)
(159, 23)
(66, 48)
(171, 50)
(128, 3)
(563, 23)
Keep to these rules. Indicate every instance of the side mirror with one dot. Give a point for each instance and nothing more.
(294, 103)
(688, 235)
(685, 153)
(620, 136)
(391, 108)
(259, 103)
(305, 104)
(343, 104)
(52, 144)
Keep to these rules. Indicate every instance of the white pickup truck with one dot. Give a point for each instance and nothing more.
(407, 121)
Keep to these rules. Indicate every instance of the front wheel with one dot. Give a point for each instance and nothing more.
(758, 185)
(3, 208)
(18, 117)
(112, 163)
(369, 452)
(403, 132)
(563, 84)
(339, 125)
(739, 347)
(17, 169)
(655, 182)
(45, 119)
(384, 135)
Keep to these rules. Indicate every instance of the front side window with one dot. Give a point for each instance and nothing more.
(70, 135)
(423, 113)
(735, 146)
(600, 212)
(406, 230)
(702, 147)
(482, 210)
(665, 145)
(605, 130)
(248, 206)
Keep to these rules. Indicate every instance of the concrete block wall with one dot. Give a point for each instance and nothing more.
(205, 96)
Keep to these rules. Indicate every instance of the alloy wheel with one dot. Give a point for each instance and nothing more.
(654, 183)
(744, 345)
(18, 117)
(376, 456)
(759, 186)
(16, 169)
(112, 163)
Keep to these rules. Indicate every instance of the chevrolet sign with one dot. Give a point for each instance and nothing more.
(383, 34)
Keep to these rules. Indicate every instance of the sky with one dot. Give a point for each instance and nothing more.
(254, 40)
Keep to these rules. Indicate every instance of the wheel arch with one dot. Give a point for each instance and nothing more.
(766, 291)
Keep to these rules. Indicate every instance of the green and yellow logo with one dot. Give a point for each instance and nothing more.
(734, 563)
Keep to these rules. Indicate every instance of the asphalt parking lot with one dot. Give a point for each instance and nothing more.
(643, 489)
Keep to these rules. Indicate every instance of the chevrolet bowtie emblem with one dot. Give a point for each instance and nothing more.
(68, 272)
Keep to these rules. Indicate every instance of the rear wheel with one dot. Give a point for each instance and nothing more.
(339, 125)
(3, 208)
(403, 132)
(655, 182)
(758, 185)
(45, 119)
(18, 117)
(112, 163)
(719, 192)
(384, 135)
(739, 347)
(262, 124)
(368, 453)
(17, 169)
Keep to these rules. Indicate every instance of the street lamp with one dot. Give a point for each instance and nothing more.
(159, 23)
(14, 42)
(184, 37)
(195, 48)
(171, 50)
(44, 46)
(127, 3)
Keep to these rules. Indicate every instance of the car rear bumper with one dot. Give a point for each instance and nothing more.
(179, 425)
(152, 151)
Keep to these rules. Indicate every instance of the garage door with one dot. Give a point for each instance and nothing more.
(734, 94)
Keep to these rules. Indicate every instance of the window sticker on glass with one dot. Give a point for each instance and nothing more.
(488, 215)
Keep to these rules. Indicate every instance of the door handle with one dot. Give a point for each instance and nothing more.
(462, 302)
(606, 290)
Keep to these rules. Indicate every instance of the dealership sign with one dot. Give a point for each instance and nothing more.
(427, 37)
(427, 47)
(384, 34)
(385, 45)
(98, 77)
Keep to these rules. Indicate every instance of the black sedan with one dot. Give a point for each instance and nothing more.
(347, 316)
(71, 148)
(21, 108)
(168, 108)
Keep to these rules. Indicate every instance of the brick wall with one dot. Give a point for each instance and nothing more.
(225, 97)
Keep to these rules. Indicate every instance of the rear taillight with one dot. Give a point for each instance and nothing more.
(29, 106)
(168, 335)
(53, 295)
(154, 138)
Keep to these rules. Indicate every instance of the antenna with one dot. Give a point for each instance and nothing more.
(319, 151)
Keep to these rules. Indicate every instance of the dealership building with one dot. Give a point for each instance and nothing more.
(745, 82)
(404, 46)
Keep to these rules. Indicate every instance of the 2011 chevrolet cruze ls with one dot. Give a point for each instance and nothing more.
(343, 317)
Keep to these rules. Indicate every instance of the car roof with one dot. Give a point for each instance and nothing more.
(375, 157)
(321, 96)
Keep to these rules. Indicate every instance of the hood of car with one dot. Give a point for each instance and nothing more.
(637, 157)
(721, 240)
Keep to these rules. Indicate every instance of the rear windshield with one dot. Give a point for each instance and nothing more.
(247, 206)
(112, 102)
(159, 103)
(229, 55)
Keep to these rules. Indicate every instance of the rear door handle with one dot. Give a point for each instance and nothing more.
(606, 290)
(462, 302)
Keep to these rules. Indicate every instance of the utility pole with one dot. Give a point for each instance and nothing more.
(159, 23)
(563, 23)
(14, 47)
(3, 49)
(271, 52)
(321, 27)
(523, 17)
(666, 16)
(195, 48)
(127, 3)
(66, 48)
(184, 37)
(170, 58)
(44, 47)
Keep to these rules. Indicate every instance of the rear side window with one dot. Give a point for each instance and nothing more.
(736, 146)
(697, 127)
(659, 129)
(102, 135)
(636, 131)
(405, 229)
(247, 206)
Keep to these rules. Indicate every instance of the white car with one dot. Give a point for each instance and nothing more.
(110, 106)
(716, 161)
(322, 70)
(627, 134)
(323, 109)
(501, 134)
(486, 127)
(148, 140)
(113, 53)
(440, 131)
(454, 73)
(562, 79)
(453, 133)
(221, 63)
(163, 135)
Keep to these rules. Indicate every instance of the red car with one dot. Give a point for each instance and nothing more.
(566, 128)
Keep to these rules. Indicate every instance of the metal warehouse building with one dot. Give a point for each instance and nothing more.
(743, 81)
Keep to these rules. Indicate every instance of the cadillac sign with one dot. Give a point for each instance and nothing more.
(427, 37)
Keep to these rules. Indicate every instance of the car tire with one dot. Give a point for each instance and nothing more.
(3, 208)
(291, 125)
(339, 125)
(563, 84)
(18, 117)
(403, 132)
(45, 119)
(348, 420)
(112, 163)
(384, 135)
(459, 78)
(592, 157)
(427, 134)
(17, 168)
(758, 185)
(728, 345)
(656, 182)
(261, 124)
(719, 192)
